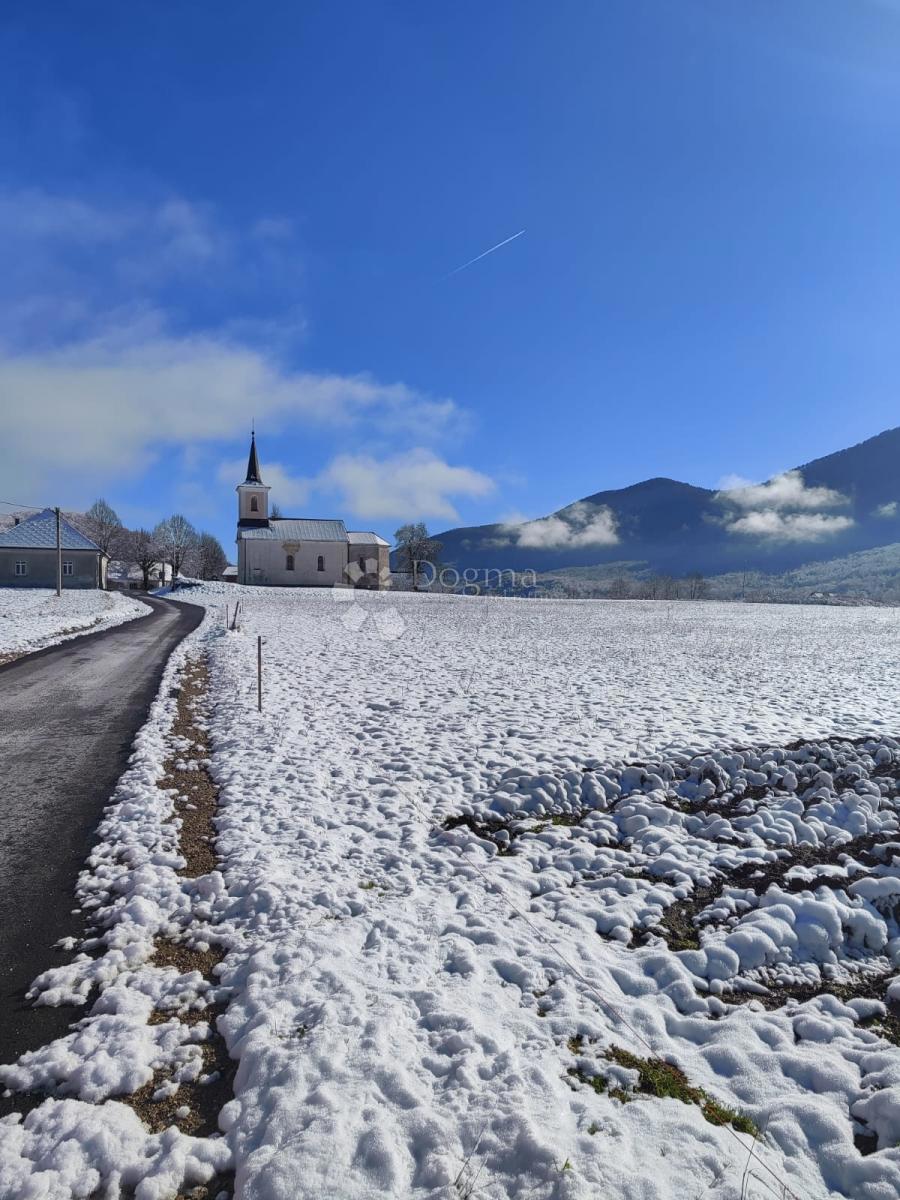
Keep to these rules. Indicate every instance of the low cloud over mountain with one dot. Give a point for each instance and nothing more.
(835, 505)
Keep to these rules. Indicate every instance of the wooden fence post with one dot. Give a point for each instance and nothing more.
(259, 673)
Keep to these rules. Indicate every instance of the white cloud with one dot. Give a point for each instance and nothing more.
(72, 260)
(98, 384)
(406, 486)
(170, 232)
(288, 491)
(580, 525)
(731, 482)
(789, 527)
(105, 408)
(784, 509)
(784, 492)
(887, 510)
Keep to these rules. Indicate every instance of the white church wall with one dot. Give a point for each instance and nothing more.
(247, 493)
(266, 562)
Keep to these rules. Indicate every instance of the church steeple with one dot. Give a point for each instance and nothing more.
(253, 494)
(253, 475)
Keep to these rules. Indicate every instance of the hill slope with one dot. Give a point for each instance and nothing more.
(833, 506)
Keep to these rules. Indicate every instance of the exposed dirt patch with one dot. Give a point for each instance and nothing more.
(679, 925)
(486, 829)
(867, 985)
(186, 773)
(194, 1108)
(185, 958)
(222, 1184)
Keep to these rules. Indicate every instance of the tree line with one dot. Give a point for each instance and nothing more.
(174, 541)
(625, 587)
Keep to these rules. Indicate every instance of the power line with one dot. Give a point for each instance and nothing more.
(34, 507)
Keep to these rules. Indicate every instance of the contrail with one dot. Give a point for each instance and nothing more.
(478, 257)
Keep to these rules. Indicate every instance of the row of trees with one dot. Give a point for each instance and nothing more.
(659, 587)
(624, 587)
(174, 541)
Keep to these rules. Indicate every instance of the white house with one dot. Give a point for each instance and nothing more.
(128, 576)
(28, 556)
(300, 551)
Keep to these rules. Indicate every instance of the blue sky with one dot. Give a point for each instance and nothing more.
(210, 212)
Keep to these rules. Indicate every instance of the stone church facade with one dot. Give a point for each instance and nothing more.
(301, 551)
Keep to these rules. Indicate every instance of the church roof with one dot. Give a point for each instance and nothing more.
(39, 533)
(253, 475)
(298, 529)
(365, 537)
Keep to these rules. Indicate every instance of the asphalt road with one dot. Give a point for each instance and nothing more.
(68, 717)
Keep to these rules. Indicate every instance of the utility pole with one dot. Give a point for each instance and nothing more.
(58, 555)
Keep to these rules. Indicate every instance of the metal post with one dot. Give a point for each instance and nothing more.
(58, 556)
(259, 673)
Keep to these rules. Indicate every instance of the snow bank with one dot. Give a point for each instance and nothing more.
(445, 883)
(31, 618)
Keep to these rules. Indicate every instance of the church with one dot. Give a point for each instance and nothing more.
(299, 551)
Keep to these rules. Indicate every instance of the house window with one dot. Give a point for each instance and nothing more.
(320, 563)
(254, 504)
(289, 563)
(68, 567)
(21, 567)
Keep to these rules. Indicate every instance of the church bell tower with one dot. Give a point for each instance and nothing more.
(253, 494)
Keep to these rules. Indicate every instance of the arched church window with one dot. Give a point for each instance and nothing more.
(289, 563)
(320, 564)
(362, 564)
(254, 504)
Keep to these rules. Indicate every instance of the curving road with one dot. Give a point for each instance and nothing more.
(68, 716)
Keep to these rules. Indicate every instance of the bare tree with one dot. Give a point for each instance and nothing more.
(104, 527)
(620, 588)
(177, 537)
(211, 557)
(275, 511)
(141, 548)
(415, 549)
(668, 588)
(697, 586)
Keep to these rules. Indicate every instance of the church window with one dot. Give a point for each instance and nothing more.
(254, 504)
(320, 564)
(362, 564)
(289, 563)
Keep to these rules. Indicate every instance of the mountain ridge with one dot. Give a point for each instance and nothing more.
(840, 503)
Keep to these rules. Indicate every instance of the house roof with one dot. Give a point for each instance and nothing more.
(298, 529)
(38, 532)
(230, 570)
(365, 537)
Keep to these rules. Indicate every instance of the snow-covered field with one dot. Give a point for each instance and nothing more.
(461, 931)
(31, 618)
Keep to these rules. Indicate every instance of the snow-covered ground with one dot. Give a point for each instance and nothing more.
(31, 618)
(459, 925)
